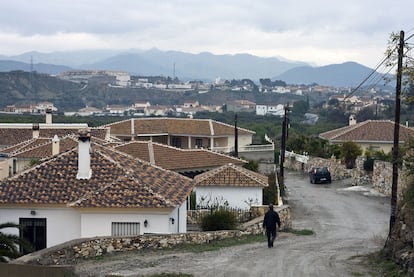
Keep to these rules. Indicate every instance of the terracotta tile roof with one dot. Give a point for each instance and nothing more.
(100, 132)
(176, 158)
(370, 130)
(44, 150)
(118, 181)
(11, 136)
(231, 175)
(24, 145)
(15, 135)
(174, 126)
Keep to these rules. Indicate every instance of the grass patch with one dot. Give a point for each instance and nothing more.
(302, 232)
(381, 266)
(219, 244)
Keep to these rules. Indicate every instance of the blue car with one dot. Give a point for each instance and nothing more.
(320, 175)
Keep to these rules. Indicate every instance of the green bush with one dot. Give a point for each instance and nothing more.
(219, 220)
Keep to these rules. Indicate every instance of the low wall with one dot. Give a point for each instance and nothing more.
(68, 253)
(382, 178)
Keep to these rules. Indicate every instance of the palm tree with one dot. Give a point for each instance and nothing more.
(9, 244)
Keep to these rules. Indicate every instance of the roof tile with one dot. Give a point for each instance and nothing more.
(231, 175)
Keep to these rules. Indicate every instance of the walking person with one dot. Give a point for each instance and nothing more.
(270, 220)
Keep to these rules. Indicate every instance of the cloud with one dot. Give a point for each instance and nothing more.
(319, 31)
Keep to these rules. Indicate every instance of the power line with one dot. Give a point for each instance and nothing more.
(376, 69)
(366, 79)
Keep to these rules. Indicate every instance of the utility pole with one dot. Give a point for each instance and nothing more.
(394, 188)
(283, 141)
(236, 138)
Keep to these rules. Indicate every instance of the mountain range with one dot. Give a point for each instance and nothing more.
(186, 66)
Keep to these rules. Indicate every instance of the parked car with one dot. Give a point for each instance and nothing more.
(320, 175)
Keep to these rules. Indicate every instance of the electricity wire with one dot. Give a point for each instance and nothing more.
(375, 70)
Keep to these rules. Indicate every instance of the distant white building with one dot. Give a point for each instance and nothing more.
(280, 89)
(263, 109)
(122, 78)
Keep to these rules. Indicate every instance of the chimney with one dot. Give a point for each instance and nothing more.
(36, 130)
(55, 145)
(48, 116)
(84, 155)
(352, 120)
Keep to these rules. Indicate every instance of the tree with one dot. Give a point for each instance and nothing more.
(350, 151)
(365, 114)
(9, 243)
(269, 192)
(300, 107)
(266, 82)
(252, 165)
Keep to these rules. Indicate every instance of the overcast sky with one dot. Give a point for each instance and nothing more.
(316, 31)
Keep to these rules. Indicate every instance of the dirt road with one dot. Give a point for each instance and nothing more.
(347, 223)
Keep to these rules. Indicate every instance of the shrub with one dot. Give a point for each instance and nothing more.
(219, 220)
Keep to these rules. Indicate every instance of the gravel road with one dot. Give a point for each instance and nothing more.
(348, 223)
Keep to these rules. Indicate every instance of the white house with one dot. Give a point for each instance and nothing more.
(182, 132)
(263, 109)
(230, 185)
(92, 191)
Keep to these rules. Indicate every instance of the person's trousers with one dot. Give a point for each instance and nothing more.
(271, 236)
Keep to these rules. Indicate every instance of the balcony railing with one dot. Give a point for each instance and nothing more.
(256, 148)
(246, 148)
(300, 158)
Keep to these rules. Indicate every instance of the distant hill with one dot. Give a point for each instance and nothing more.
(203, 66)
(7, 65)
(349, 74)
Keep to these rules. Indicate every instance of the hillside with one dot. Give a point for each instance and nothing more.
(186, 66)
(22, 88)
(349, 74)
(8, 65)
(204, 66)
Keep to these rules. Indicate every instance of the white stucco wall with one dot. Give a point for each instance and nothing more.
(179, 215)
(235, 196)
(243, 140)
(62, 224)
(99, 224)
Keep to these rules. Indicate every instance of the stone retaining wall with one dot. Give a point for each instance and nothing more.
(69, 252)
(382, 178)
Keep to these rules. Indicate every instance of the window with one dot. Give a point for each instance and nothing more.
(199, 142)
(120, 229)
(176, 142)
(34, 231)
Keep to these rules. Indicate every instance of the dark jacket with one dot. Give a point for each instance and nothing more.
(270, 219)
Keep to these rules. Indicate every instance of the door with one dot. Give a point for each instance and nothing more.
(34, 231)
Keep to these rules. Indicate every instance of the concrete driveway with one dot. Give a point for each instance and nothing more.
(347, 221)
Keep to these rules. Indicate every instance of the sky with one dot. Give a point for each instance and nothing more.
(319, 32)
